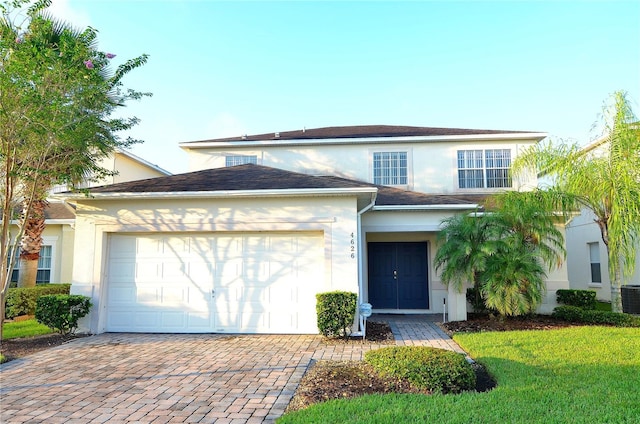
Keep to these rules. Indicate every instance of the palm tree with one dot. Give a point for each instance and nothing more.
(607, 184)
(514, 281)
(503, 252)
(465, 243)
(530, 217)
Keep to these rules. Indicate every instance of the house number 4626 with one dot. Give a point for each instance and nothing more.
(352, 246)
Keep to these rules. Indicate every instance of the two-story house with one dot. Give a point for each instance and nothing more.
(262, 223)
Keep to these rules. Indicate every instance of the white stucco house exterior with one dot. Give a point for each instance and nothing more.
(262, 223)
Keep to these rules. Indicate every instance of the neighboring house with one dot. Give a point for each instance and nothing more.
(244, 242)
(587, 260)
(56, 255)
(127, 167)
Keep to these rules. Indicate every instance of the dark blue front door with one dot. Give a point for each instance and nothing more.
(398, 276)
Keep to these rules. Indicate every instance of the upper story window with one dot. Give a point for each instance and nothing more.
(234, 160)
(484, 168)
(43, 274)
(390, 168)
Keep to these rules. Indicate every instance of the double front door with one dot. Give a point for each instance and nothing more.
(398, 277)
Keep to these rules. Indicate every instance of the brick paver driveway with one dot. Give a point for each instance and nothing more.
(164, 378)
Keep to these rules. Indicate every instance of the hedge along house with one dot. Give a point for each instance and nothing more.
(244, 245)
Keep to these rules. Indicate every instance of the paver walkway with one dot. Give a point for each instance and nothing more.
(167, 378)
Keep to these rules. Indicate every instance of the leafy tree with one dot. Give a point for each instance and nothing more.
(605, 180)
(57, 94)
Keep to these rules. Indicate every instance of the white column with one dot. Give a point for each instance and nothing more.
(456, 305)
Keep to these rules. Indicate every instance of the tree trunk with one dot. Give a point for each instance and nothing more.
(31, 244)
(616, 297)
(2, 308)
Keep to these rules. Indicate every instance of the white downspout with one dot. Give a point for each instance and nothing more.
(360, 239)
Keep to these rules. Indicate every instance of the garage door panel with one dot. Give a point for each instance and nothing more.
(227, 247)
(173, 270)
(146, 319)
(261, 283)
(121, 270)
(175, 320)
(227, 296)
(173, 245)
(148, 246)
(121, 295)
(147, 271)
(173, 297)
(121, 247)
(148, 295)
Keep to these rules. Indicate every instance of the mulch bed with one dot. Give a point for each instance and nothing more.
(476, 323)
(377, 332)
(17, 348)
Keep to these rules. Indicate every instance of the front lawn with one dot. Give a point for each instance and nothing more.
(578, 375)
(27, 328)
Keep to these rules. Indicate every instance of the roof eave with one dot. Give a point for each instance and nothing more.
(537, 136)
(51, 221)
(382, 208)
(223, 194)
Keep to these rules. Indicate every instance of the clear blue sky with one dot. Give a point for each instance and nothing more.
(221, 69)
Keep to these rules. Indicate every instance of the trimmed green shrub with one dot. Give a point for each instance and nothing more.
(336, 312)
(430, 368)
(568, 313)
(22, 301)
(61, 312)
(585, 299)
(579, 315)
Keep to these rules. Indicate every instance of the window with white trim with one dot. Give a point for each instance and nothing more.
(234, 160)
(43, 275)
(594, 261)
(390, 168)
(484, 168)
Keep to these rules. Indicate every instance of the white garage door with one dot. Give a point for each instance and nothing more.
(223, 282)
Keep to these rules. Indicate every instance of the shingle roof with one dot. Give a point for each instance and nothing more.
(58, 210)
(55, 210)
(390, 196)
(360, 131)
(257, 177)
(242, 177)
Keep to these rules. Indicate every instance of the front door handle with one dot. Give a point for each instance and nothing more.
(395, 274)
(213, 293)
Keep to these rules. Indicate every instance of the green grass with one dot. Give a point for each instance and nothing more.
(27, 328)
(574, 375)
